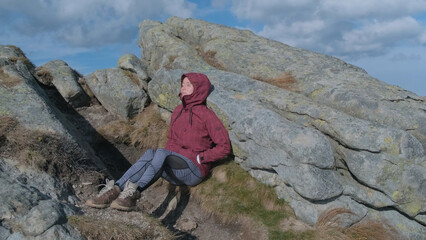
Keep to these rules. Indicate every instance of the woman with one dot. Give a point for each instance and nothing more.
(196, 138)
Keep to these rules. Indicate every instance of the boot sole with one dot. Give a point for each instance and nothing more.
(122, 208)
(93, 205)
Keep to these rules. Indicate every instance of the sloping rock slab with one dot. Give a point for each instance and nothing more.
(292, 143)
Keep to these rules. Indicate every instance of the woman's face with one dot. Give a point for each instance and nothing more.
(186, 88)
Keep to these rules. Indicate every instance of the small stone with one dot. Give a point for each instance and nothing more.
(186, 225)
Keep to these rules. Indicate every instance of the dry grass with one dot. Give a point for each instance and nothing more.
(151, 130)
(9, 81)
(107, 229)
(331, 218)
(132, 77)
(17, 49)
(232, 194)
(45, 152)
(172, 58)
(61, 157)
(24, 60)
(372, 231)
(285, 81)
(7, 124)
(44, 76)
(86, 88)
(328, 227)
(117, 131)
(209, 58)
(145, 130)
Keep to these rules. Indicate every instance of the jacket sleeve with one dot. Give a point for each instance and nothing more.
(219, 136)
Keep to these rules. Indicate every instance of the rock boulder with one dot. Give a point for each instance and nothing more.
(117, 91)
(133, 64)
(36, 143)
(57, 73)
(288, 128)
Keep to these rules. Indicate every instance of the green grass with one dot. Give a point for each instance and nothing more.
(231, 192)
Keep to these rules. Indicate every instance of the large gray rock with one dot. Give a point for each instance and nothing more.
(40, 218)
(260, 129)
(173, 54)
(22, 99)
(117, 92)
(28, 210)
(324, 79)
(35, 135)
(133, 64)
(317, 153)
(302, 157)
(57, 73)
(4, 233)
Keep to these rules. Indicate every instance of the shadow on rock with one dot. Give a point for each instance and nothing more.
(172, 208)
(116, 164)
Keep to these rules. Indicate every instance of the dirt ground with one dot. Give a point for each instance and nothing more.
(183, 217)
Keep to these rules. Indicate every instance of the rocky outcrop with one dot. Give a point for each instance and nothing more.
(24, 102)
(57, 73)
(31, 205)
(133, 64)
(324, 133)
(118, 91)
(36, 143)
(324, 79)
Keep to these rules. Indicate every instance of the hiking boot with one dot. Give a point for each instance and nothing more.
(104, 198)
(126, 201)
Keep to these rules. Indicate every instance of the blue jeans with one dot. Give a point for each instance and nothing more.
(153, 164)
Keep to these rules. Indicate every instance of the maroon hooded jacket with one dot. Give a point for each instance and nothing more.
(195, 129)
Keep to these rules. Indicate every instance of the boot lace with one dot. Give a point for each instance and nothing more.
(127, 192)
(107, 186)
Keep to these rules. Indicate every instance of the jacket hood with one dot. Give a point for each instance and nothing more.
(202, 87)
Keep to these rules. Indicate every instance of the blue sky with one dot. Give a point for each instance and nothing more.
(387, 38)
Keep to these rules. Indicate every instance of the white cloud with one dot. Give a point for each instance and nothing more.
(297, 33)
(402, 57)
(89, 34)
(272, 10)
(348, 29)
(422, 38)
(368, 9)
(86, 23)
(385, 31)
(219, 3)
(374, 38)
(404, 67)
